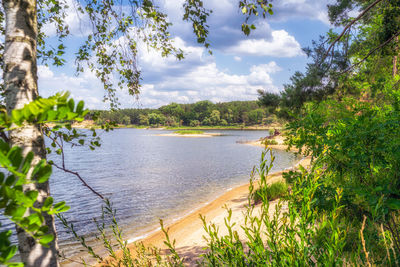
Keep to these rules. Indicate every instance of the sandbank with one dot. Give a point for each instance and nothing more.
(191, 135)
(279, 146)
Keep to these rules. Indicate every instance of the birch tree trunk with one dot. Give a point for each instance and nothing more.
(20, 82)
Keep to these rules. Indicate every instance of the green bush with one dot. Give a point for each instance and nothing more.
(299, 235)
(269, 142)
(194, 123)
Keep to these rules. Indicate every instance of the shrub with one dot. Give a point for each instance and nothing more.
(194, 123)
(267, 141)
(288, 237)
(223, 122)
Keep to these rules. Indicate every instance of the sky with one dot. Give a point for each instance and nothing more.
(238, 67)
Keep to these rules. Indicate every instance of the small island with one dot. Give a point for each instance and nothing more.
(191, 133)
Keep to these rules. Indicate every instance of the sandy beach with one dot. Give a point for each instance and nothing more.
(188, 232)
(279, 146)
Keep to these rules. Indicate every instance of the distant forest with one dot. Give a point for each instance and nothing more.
(202, 113)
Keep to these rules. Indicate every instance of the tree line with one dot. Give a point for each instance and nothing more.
(202, 113)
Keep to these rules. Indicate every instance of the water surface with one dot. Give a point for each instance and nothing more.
(148, 177)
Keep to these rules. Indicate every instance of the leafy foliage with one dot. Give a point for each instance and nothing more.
(19, 169)
(199, 113)
(280, 238)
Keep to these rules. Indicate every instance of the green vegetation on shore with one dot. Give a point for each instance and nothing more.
(203, 114)
(270, 192)
(188, 132)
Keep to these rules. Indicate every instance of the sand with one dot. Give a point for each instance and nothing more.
(280, 146)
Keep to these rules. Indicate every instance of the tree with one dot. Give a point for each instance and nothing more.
(203, 109)
(194, 123)
(126, 120)
(256, 116)
(172, 109)
(269, 100)
(215, 117)
(20, 87)
(143, 119)
(156, 119)
(228, 116)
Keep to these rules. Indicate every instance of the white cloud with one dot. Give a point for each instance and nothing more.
(84, 87)
(198, 76)
(78, 23)
(285, 10)
(166, 80)
(281, 45)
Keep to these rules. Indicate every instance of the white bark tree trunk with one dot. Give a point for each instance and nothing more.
(20, 82)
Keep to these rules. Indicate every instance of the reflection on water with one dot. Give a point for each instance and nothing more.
(148, 177)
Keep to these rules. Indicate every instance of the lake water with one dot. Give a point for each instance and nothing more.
(148, 177)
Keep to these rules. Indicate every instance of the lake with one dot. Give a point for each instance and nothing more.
(148, 177)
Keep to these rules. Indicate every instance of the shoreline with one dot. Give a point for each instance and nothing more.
(207, 135)
(187, 230)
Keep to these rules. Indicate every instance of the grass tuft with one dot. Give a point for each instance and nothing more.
(189, 132)
(271, 192)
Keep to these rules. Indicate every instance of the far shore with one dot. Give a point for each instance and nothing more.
(90, 124)
(191, 135)
(188, 232)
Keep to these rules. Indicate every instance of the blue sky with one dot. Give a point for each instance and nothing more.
(239, 65)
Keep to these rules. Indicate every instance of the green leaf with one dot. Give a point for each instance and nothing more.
(71, 104)
(10, 180)
(42, 172)
(79, 107)
(27, 163)
(15, 156)
(9, 253)
(16, 115)
(393, 203)
(44, 240)
(47, 203)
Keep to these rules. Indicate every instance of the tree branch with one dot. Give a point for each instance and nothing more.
(80, 178)
(348, 26)
(63, 168)
(371, 52)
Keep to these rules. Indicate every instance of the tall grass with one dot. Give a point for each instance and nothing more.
(271, 192)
